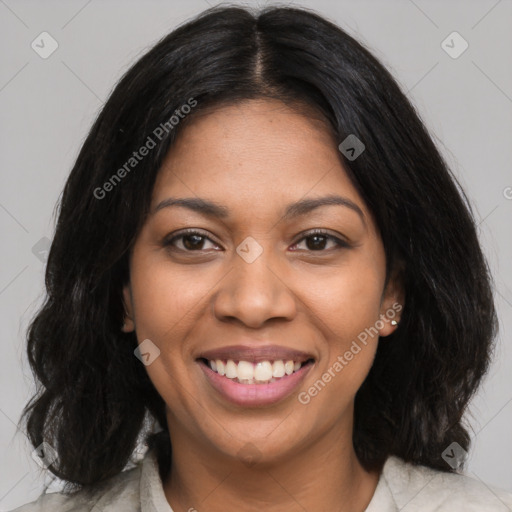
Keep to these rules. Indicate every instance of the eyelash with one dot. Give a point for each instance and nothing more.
(341, 244)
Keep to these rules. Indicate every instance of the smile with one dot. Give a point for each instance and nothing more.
(248, 384)
(246, 372)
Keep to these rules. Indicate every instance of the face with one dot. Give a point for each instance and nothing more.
(252, 287)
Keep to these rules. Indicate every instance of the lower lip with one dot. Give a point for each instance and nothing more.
(253, 395)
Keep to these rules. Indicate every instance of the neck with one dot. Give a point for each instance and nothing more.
(321, 476)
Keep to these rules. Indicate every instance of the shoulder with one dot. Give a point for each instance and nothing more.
(416, 487)
(119, 493)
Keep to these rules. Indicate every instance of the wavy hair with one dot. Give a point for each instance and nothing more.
(93, 394)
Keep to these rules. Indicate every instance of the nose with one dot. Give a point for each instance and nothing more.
(254, 293)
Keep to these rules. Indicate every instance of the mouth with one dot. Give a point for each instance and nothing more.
(248, 372)
(255, 376)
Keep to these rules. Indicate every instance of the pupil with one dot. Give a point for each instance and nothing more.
(194, 245)
(314, 245)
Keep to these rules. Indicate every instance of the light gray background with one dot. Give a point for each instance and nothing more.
(48, 105)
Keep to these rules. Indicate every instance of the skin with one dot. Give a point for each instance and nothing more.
(255, 158)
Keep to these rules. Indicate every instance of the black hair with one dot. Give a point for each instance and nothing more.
(93, 394)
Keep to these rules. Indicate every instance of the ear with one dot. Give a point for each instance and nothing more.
(392, 304)
(129, 323)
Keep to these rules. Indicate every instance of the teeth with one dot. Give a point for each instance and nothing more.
(245, 371)
(231, 370)
(262, 371)
(278, 369)
(249, 373)
(220, 367)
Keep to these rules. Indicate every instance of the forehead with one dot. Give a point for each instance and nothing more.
(253, 152)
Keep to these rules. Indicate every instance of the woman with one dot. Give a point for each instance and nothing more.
(261, 248)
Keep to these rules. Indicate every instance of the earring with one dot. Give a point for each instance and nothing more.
(394, 322)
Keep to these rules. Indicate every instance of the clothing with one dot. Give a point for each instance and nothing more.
(402, 487)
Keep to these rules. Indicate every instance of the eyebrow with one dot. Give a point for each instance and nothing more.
(299, 208)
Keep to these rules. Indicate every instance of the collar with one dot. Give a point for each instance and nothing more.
(152, 496)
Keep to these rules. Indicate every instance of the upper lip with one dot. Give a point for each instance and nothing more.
(255, 354)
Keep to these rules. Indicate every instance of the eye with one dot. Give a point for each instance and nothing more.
(317, 240)
(190, 240)
(193, 240)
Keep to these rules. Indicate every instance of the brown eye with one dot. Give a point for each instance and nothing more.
(317, 241)
(188, 241)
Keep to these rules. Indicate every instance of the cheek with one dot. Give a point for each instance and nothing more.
(166, 300)
(348, 297)
(346, 308)
(166, 305)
